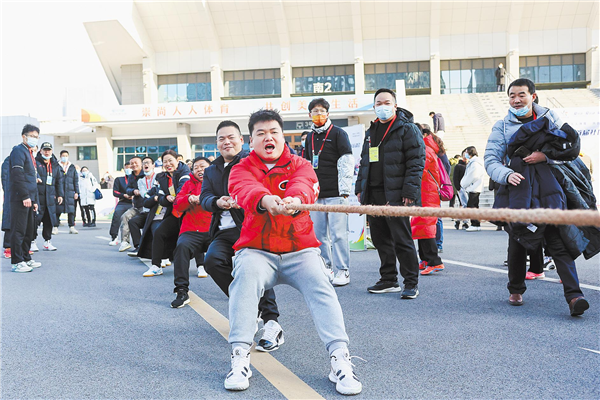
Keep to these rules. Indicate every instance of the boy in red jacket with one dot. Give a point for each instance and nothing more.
(193, 235)
(279, 246)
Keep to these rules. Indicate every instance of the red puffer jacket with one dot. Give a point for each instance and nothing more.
(292, 176)
(424, 227)
(195, 218)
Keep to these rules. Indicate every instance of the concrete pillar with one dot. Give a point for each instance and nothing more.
(104, 145)
(359, 75)
(150, 82)
(592, 69)
(287, 82)
(512, 67)
(184, 143)
(435, 80)
(216, 82)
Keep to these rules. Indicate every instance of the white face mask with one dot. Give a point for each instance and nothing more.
(384, 112)
(303, 143)
(128, 171)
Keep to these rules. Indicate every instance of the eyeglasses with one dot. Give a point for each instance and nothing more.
(318, 112)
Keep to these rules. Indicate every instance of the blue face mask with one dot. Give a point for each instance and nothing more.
(32, 141)
(148, 173)
(64, 159)
(521, 112)
(84, 174)
(46, 157)
(384, 112)
(128, 171)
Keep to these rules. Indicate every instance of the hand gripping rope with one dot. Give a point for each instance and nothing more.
(533, 216)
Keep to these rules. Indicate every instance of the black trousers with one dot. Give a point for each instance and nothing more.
(6, 239)
(88, 214)
(136, 224)
(218, 263)
(164, 239)
(473, 202)
(70, 218)
(428, 251)
(189, 244)
(393, 239)
(22, 231)
(536, 260)
(116, 219)
(46, 223)
(565, 265)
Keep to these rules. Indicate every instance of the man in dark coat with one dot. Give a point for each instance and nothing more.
(124, 204)
(50, 191)
(70, 183)
(6, 207)
(439, 125)
(459, 173)
(500, 77)
(391, 167)
(23, 200)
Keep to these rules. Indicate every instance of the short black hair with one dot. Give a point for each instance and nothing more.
(149, 158)
(522, 82)
(169, 153)
(384, 90)
(305, 133)
(127, 163)
(318, 102)
(30, 128)
(63, 152)
(471, 150)
(138, 157)
(84, 167)
(431, 113)
(179, 155)
(264, 116)
(200, 158)
(225, 124)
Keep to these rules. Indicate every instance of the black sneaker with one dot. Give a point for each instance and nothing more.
(181, 300)
(384, 287)
(456, 225)
(465, 226)
(92, 225)
(133, 253)
(410, 292)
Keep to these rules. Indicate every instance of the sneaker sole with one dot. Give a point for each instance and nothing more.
(203, 276)
(264, 350)
(45, 249)
(388, 290)
(150, 276)
(21, 271)
(183, 305)
(239, 386)
(410, 297)
(125, 249)
(340, 284)
(432, 271)
(341, 389)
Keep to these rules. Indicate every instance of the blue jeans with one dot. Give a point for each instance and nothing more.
(332, 231)
(439, 234)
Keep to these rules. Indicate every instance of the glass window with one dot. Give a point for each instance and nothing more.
(125, 149)
(469, 76)
(253, 83)
(184, 87)
(414, 74)
(334, 79)
(87, 153)
(554, 69)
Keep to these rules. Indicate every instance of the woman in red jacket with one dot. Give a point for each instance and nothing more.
(424, 228)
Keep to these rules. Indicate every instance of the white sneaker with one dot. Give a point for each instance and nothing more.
(124, 246)
(33, 264)
(342, 373)
(237, 378)
(73, 230)
(48, 246)
(153, 271)
(114, 242)
(55, 230)
(21, 267)
(549, 263)
(473, 229)
(34, 246)
(272, 337)
(201, 272)
(165, 263)
(342, 277)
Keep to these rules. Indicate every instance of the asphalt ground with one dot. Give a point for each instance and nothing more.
(87, 325)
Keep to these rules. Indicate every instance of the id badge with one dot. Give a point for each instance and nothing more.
(373, 154)
(315, 162)
(49, 180)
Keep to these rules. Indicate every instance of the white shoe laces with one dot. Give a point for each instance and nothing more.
(270, 332)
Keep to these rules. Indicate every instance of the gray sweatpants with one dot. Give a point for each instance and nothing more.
(132, 212)
(255, 271)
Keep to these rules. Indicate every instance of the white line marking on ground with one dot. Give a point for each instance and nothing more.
(505, 272)
(104, 238)
(593, 351)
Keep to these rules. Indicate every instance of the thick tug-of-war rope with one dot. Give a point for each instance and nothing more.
(534, 216)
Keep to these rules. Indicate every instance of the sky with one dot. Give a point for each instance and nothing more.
(45, 52)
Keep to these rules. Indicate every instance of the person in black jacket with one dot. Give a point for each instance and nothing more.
(50, 191)
(226, 225)
(23, 200)
(6, 207)
(70, 183)
(391, 167)
(162, 227)
(124, 204)
(459, 173)
(137, 201)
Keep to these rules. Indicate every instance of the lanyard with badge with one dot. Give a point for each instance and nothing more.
(49, 175)
(315, 157)
(374, 151)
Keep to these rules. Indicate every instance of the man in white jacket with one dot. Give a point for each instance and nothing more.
(472, 182)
